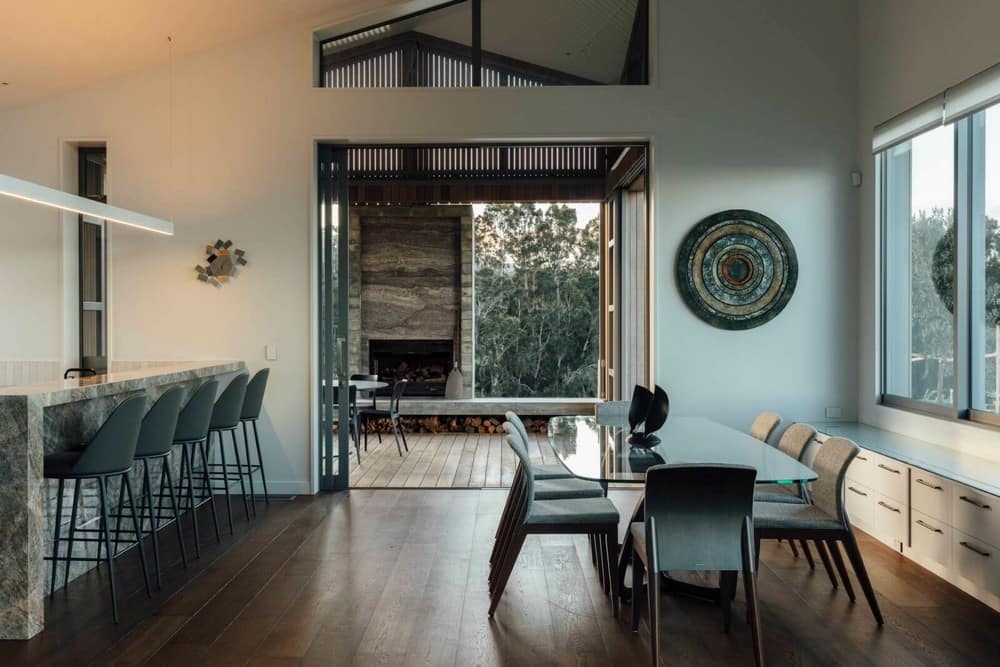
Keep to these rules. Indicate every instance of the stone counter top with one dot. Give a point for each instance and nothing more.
(79, 389)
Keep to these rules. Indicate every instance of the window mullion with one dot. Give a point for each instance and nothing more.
(965, 176)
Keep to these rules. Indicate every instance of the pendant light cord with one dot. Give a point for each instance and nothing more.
(170, 123)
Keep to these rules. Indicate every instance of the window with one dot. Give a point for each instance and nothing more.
(939, 204)
(93, 246)
(493, 43)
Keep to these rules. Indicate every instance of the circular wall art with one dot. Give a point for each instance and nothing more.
(737, 269)
(221, 263)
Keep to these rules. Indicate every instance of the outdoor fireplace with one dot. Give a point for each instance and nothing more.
(425, 364)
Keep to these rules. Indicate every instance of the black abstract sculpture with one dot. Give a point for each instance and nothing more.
(650, 409)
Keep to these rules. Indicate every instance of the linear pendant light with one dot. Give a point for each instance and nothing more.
(40, 194)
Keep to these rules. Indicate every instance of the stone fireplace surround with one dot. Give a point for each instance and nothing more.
(411, 279)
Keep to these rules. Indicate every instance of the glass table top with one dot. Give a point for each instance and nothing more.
(597, 448)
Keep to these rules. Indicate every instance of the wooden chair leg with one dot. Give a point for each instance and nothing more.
(612, 543)
(637, 571)
(795, 550)
(653, 599)
(509, 560)
(602, 563)
(808, 554)
(839, 562)
(854, 553)
(824, 556)
(750, 590)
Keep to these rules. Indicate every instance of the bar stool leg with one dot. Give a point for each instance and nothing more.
(105, 531)
(147, 485)
(246, 450)
(225, 482)
(187, 463)
(118, 519)
(138, 534)
(173, 504)
(55, 539)
(239, 471)
(260, 463)
(203, 447)
(72, 531)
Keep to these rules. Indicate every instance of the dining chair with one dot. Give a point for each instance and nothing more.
(392, 414)
(763, 425)
(352, 416)
(253, 405)
(191, 435)
(825, 519)
(549, 488)
(225, 419)
(574, 516)
(367, 393)
(542, 470)
(688, 529)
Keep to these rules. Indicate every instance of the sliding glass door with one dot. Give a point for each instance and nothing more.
(334, 447)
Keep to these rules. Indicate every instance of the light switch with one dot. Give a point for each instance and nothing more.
(271, 352)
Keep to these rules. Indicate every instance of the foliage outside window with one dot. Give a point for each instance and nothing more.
(940, 206)
(536, 302)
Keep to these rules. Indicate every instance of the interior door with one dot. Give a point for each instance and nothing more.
(334, 447)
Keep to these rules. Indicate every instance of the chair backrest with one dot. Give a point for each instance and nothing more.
(764, 425)
(156, 436)
(253, 403)
(699, 513)
(830, 464)
(112, 449)
(226, 411)
(519, 425)
(192, 425)
(795, 439)
(398, 389)
(527, 471)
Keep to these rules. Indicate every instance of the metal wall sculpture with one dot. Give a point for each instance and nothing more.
(221, 264)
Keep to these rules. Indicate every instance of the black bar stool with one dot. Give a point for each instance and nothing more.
(225, 419)
(108, 454)
(252, 406)
(192, 435)
(156, 439)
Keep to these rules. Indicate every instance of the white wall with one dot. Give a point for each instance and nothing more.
(911, 50)
(754, 107)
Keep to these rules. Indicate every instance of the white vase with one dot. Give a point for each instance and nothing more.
(454, 387)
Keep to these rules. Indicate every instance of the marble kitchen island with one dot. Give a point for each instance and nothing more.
(40, 419)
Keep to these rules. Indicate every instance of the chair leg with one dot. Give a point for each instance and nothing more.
(147, 485)
(750, 590)
(756, 554)
(851, 545)
(637, 571)
(246, 450)
(509, 559)
(395, 432)
(653, 599)
(72, 531)
(602, 563)
(841, 569)
(402, 432)
(260, 463)
(203, 448)
(795, 549)
(174, 506)
(239, 471)
(187, 464)
(106, 532)
(612, 541)
(505, 516)
(727, 592)
(365, 423)
(808, 554)
(824, 555)
(138, 534)
(225, 481)
(496, 567)
(118, 519)
(55, 539)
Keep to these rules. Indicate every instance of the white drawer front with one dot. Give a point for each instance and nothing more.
(890, 477)
(860, 501)
(891, 520)
(930, 495)
(976, 562)
(976, 514)
(860, 470)
(930, 539)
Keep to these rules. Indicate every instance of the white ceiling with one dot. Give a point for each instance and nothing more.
(48, 47)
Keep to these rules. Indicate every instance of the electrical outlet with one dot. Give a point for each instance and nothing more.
(834, 413)
(271, 352)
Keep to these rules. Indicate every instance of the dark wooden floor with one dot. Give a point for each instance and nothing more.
(398, 577)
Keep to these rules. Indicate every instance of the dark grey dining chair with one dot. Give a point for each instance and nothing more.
(542, 470)
(825, 519)
(191, 435)
(368, 394)
(225, 419)
(687, 529)
(352, 416)
(763, 425)
(392, 414)
(575, 516)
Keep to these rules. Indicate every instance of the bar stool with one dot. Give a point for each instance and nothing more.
(252, 406)
(108, 454)
(191, 435)
(225, 419)
(156, 439)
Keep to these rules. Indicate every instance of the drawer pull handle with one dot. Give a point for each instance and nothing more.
(889, 507)
(973, 502)
(929, 485)
(929, 527)
(860, 493)
(984, 554)
(861, 458)
(885, 467)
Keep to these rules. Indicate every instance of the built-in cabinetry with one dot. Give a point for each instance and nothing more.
(947, 527)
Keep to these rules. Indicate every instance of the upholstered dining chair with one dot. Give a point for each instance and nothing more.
(688, 529)
(763, 425)
(825, 519)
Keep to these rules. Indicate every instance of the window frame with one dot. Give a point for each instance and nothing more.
(969, 181)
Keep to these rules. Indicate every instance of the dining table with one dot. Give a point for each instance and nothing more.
(597, 448)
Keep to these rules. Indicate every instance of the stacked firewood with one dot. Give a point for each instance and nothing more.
(457, 424)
